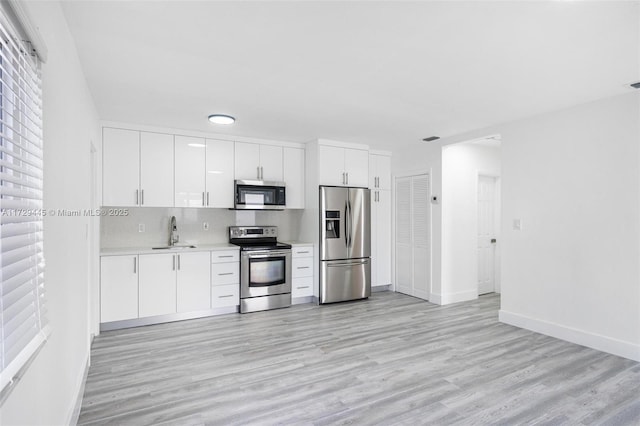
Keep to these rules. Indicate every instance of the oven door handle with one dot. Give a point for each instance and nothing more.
(263, 254)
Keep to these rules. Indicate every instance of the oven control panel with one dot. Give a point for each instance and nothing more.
(253, 232)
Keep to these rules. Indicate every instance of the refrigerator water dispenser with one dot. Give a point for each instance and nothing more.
(332, 224)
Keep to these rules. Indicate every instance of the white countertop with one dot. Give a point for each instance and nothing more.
(149, 250)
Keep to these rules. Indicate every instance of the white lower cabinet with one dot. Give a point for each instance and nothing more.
(147, 285)
(193, 283)
(225, 295)
(157, 285)
(225, 278)
(301, 271)
(118, 288)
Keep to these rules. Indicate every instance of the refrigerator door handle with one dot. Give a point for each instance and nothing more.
(346, 224)
(338, 265)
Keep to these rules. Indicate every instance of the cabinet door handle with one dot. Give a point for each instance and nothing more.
(347, 178)
(302, 252)
(302, 267)
(173, 267)
(343, 178)
(137, 197)
(304, 286)
(226, 295)
(178, 262)
(135, 265)
(142, 197)
(258, 168)
(261, 172)
(207, 198)
(226, 255)
(225, 273)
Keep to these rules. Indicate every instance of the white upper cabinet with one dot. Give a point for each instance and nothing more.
(220, 173)
(293, 174)
(343, 166)
(258, 162)
(379, 171)
(190, 155)
(271, 163)
(356, 165)
(156, 170)
(247, 161)
(121, 167)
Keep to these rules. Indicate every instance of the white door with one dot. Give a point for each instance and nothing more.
(190, 154)
(404, 237)
(356, 165)
(293, 174)
(486, 233)
(156, 170)
(220, 173)
(271, 163)
(194, 281)
(118, 288)
(157, 284)
(413, 236)
(247, 161)
(121, 167)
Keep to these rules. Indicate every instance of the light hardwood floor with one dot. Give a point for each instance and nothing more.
(392, 359)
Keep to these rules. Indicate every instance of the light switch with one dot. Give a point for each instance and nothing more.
(517, 224)
(141, 227)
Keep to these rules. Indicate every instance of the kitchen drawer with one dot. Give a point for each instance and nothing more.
(225, 256)
(225, 295)
(302, 251)
(225, 273)
(302, 267)
(302, 287)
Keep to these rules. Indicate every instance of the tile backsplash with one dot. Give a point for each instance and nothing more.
(124, 231)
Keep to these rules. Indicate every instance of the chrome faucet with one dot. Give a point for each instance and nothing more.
(173, 231)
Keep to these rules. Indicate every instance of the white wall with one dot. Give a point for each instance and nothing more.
(573, 178)
(461, 164)
(46, 394)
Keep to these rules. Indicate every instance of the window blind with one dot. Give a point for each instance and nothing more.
(23, 314)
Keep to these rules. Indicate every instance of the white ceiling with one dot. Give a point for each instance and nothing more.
(382, 73)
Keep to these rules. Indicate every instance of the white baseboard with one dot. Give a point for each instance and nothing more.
(591, 340)
(448, 298)
(75, 414)
(379, 288)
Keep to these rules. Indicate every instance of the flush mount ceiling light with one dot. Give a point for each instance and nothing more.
(221, 119)
(431, 138)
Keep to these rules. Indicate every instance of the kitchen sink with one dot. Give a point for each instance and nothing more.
(172, 247)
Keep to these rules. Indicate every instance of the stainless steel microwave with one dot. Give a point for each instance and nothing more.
(259, 195)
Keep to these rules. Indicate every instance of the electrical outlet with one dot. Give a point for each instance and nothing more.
(517, 224)
(205, 226)
(141, 227)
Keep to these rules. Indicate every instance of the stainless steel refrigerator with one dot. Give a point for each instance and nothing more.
(345, 244)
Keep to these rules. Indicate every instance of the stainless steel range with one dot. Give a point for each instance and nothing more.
(265, 268)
